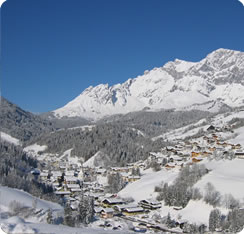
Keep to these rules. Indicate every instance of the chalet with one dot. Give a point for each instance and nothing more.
(150, 204)
(62, 193)
(70, 179)
(56, 175)
(133, 211)
(107, 213)
(101, 171)
(109, 202)
(133, 178)
(175, 158)
(43, 175)
(120, 208)
(170, 165)
(195, 154)
(197, 159)
(238, 146)
(239, 154)
(120, 169)
(125, 176)
(97, 210)
(211, 128)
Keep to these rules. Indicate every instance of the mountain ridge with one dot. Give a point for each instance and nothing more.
(206, 85)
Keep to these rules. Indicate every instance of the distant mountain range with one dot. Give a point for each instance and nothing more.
(207, 85)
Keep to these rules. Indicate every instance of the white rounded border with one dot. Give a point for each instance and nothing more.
(1, 2)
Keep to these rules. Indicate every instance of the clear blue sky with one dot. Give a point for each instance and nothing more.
(53, 49)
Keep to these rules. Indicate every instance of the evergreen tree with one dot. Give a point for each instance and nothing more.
(50, 216)
(68, 217)
(214, 220)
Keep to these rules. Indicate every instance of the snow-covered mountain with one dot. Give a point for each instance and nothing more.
(216, 80)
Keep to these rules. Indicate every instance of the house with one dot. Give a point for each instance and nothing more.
(122, 207)
(97, 210)
(56, 175)
(175, 158)
(211, 128)
(72, 186)
(109, 202)
(70, 179)
(150, 204)
(125, 176)
(62, 193)
(101, 171)
(170, 165)
(238, 146)
(133, 178)
(133, 211)
(197, 159)
(239, 154)
(107, 213)
(43, 175)
(195, 154)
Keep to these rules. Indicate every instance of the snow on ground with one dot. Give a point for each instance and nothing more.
(98, 159)
(183, 132)
(35, 148)
(82, 128)
(198, 212)
(7, 195)
(221, 119)
(90, 161)
(18, 225)
(226, 176)
(139, 132)
(66, 153)
(144, 188)
(6, 137)
(75, 160)
(102, 180)
(239, 139)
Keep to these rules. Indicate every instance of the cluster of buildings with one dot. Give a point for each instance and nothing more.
(72, 181)
(195, 150)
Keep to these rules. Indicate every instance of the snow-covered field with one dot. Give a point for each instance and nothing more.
(144, 188)
(6, 137)
(35, 224)
(7, 195)
(226, 176)
(35, 148)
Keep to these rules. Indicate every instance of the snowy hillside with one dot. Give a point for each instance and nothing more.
(204, 85)
(6, 137)
(37, 222)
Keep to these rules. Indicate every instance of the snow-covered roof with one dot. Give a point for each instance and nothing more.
(113, 200)
(107, 210)
(134, 209)
(73, 186)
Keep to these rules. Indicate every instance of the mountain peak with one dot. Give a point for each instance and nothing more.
(178, 84)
